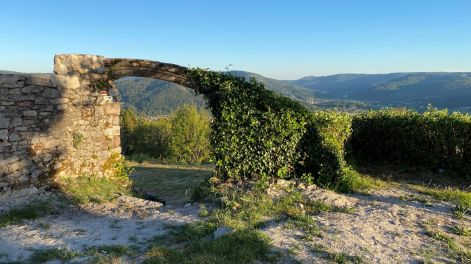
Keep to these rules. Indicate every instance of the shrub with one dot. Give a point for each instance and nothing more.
(189, 136)
(129, 121)
(323, 146)
(434, 139)
(151, 137)
(257, 134)
(183, 137)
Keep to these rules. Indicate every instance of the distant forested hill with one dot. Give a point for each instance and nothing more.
(349, 92)
(154, 97)
(415, 90)
(8, 72)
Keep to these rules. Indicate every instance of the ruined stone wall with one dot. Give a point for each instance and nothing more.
(56, 125)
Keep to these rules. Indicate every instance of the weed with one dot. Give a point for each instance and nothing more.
(203, 211)
(339, 258)
(77, 139)
(107, 253)
(243, 246)
(461, 230)
(85, 189)
(352, 181)
(456, 196)
(45, 255)
(459, 211)
(114, 250)
(343, 209)
(28, 212)
(454, 248)
(44, 226)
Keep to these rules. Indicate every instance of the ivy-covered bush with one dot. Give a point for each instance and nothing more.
(323, 146)
(434, 139)
(257, 134)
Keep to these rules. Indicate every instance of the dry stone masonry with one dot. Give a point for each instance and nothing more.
(66, 123)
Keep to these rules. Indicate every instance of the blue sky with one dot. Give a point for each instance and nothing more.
(279, 39)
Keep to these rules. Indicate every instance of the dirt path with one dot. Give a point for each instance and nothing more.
(388, 226)
(130, 221)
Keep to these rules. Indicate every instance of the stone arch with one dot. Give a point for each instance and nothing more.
(93, 70)
(83, 135)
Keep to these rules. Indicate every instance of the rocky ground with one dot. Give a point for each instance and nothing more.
(391, 225)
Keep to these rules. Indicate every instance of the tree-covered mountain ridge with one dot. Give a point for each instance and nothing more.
(348, 92)
(412, 89)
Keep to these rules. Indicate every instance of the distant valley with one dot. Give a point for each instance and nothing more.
(347, 92)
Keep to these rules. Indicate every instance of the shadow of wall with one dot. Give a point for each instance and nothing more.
(29, 108)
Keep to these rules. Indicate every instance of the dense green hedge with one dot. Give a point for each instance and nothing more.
(434, 139)
(323, 146)
(257, 134)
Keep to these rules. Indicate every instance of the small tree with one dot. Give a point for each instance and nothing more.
(129, 123)
(189, 140)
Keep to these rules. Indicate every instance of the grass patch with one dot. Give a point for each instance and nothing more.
(460, 211)
(456, 250)
(193, 246)
(335, 257)
(45, 255)
(173, 183)
(85, 189)
(353, 181)
(107, 253)
(461, 230)
(28, 212)
(254, 209)
(453, 195)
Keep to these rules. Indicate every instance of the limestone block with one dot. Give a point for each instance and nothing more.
(51, 93)
(4, 122)
(68, 82)
(30, 113)
(14, 137)
(12, 80)
(15, 91)
(40, 80)
(17, 121)
(3, 135)
(24, 103)
(112, 109)
(31, 89)
(6, 103)
(78, 64)
(9, 160)
(113, 131)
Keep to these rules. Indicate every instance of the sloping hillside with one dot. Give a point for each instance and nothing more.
(416, 90)
(155, 97)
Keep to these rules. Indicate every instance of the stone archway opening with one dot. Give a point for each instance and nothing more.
(59, 124)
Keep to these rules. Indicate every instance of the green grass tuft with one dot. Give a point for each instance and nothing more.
(240, 247)
(458, 251)
(453, 195)
(85, 189)
(28, 212)
(45, 255)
